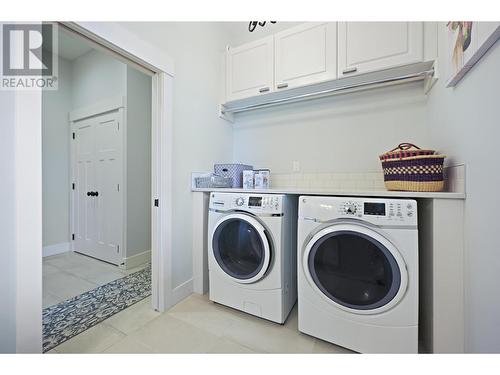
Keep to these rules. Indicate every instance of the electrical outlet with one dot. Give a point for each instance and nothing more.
(296, 166)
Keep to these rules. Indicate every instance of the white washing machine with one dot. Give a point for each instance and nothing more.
(358, 272)
(252, 254)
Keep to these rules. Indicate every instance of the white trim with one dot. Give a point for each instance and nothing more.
(161, 221)
(58, 248)
(182, 291)
(125, 43)
(136, 260)
(28, 220)
(102, 106)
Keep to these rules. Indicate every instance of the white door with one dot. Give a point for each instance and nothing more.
(370, 46)
(305, 54)
(83, 183)
(98, 175)
(250, 69)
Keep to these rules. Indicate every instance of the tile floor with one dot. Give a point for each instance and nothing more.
(195, 325)
(70, 274)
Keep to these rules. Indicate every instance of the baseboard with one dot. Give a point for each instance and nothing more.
(182, 291)
(55, 249)
(136, 260)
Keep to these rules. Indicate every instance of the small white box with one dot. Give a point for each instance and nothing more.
(262, 179)
(259, 181)
(248, 177)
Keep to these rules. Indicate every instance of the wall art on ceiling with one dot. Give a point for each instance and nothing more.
(467, 42)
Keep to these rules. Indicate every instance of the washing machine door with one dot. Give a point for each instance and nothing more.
(355, 268)
(241, 248)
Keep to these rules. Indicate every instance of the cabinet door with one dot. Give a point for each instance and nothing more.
(305, 54)
(250, 69)
(371, 46)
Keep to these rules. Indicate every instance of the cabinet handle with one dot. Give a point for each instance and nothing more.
(264, 89)
(350, 70)
(282, 85)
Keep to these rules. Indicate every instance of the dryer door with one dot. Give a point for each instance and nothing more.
(355, 268)
(241, 247)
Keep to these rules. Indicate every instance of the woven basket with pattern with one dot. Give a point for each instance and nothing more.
(410, 168)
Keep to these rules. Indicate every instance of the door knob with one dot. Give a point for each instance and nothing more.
(89, 193)
(96, 193)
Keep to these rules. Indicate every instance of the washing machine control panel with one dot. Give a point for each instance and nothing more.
(257, 203)
(351, 208)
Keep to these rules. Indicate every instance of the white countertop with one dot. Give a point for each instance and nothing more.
(352, 192)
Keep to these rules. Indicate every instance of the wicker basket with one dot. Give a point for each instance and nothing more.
(410, 168)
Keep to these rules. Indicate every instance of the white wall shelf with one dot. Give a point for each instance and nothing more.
(425, 72)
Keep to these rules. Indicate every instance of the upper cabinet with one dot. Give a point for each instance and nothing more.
(370, 46)
(305, 54)
(309, 59)
(250, 69)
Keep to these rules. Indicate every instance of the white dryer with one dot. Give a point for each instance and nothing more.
(252, 256)
(358, 272)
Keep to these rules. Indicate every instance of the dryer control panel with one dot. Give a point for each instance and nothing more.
(374, 210)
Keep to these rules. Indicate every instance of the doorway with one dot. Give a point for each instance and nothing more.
(97, 194)
(27, 181)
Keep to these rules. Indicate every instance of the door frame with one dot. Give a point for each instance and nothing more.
(119, 105)
(28, 179)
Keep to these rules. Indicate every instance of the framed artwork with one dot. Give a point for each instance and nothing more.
(467, 42)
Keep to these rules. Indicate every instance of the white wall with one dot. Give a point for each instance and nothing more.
(138, 162)
(336, 134)
(464, 124)
(327, 135)
(200, 137)
(55, 158)
(97, 76)
(7, 227)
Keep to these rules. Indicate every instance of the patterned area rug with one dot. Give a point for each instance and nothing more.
(73, 316)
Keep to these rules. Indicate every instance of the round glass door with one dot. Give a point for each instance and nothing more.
(354, 270)
(241, 248)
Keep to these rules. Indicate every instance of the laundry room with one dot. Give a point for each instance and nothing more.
(224, 186)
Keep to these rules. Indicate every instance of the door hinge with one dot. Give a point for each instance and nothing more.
(74, 135)
(118, 187)
(73, 186)
(157, 202)
(118, 249)
(73, 237)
